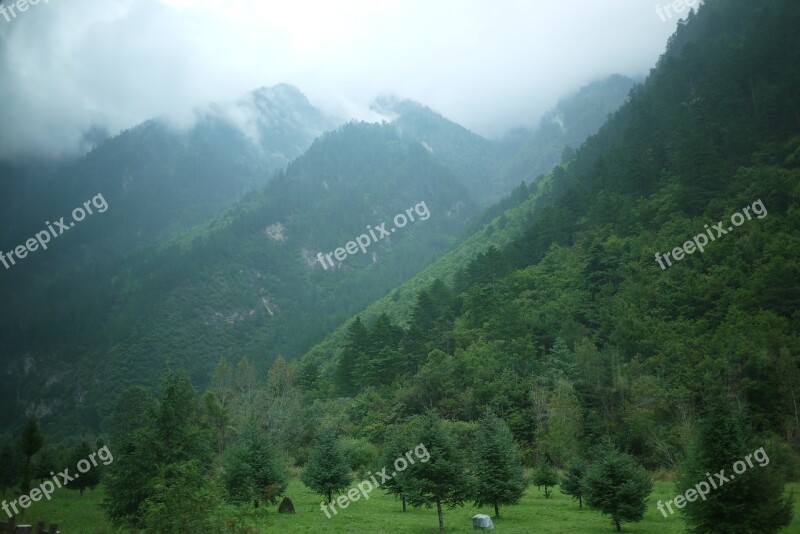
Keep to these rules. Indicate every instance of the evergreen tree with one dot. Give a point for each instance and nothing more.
(181, 500)
(564, 425)
(253, 470)
(91, 478)
(617, 486)
(44, 465)
(498, 472)
(545, 476)
(129, 479)
(216, 417)
(180, 436)
(30, 442)
(442, 479)
(572, 482)
(397, 447)
(752, 502)
(159, 435)
(356, 345)
(327, 471)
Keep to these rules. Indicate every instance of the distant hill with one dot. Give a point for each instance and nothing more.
(564, 128)
(248, 282)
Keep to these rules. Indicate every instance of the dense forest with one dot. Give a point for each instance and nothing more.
(549, 347)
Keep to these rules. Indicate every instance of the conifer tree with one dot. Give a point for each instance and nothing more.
(91, 478)
(327, 471)
(253, 469)
(572, 482)
(617, 486)
(753, 501)
(355, 346)
(30, 442)
(499, 475)
(442, 479)
(397, 447)
(545, 476)
(129, 479)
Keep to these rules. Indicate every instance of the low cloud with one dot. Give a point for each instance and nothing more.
(70, 69)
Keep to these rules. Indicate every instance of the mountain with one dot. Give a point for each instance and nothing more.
(159, 180)
(561, 131)
(493, 169)
(576, 306)
(470, 157)
(248, 282)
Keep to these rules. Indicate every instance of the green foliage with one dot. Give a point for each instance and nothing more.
(159, 438)
(131, 477)
(181, 500)
(572, 481)
(561, 433)
(91, 478)
(616, 485)
(496, 467)
(327, 471)
(545, 476)
(442, 480)
(179, 435)
(356, 345)
(398, 444)
(359, 452)
(752, 502)
(30, 442)
(253, 469)
(44, 464)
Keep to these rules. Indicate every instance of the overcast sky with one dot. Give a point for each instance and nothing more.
(490, 65)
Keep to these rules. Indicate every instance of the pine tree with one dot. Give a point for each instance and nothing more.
(499, 475)
(754, 501)
(397, 447)
(179, 433)
(30, 442)
(355, 347)
(253, 470)
(91, 478)
(44, 465)
(327, 471)
(160, 435)
(129, 478)
(442, 479)
(180, 500)
(617, 486)
(572, 482)
(545, 476)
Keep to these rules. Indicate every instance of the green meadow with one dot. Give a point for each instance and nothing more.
(381, 514)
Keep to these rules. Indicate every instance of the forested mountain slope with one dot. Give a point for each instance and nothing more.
(493, 169)
(248, 283)
(575, 318)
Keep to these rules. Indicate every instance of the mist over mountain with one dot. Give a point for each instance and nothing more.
(269, 303)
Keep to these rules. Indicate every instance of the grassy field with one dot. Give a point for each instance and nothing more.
(381, 515)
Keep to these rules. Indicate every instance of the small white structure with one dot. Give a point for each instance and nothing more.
(482, 521)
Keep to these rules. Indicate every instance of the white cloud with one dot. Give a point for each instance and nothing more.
(65, 66)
